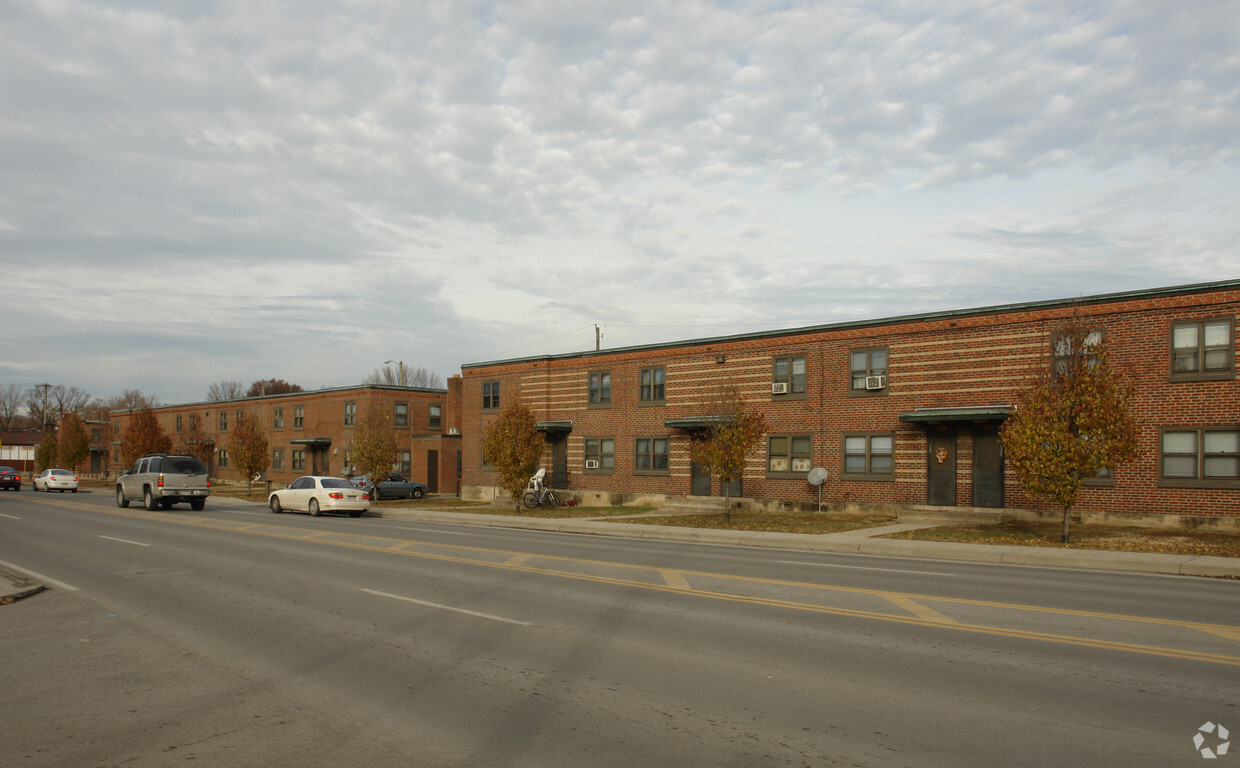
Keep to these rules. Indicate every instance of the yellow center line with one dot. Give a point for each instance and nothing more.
(918, 610)
(675, 579)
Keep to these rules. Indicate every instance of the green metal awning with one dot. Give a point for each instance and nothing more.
(961, 413)
(312, 441)
(554, 427)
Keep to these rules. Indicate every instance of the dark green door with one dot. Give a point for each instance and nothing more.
(941, 474)
(987, 470)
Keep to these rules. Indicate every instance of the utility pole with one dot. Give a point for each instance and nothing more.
(597, 338)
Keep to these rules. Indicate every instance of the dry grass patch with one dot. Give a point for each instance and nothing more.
(773, 522)
(1100, 537)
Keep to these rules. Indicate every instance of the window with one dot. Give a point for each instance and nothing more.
(223, 458)
(1202, 350)
(490, 395)
(435, 420)
(600, 388)
(299, 460)
(401, 417)
(1200, 458)
(869, 457)
(277, 458)
(868, 371)
(350, 414)
(193, 422)
(600, 454)
(788, 377)
(223, 421)
(788, 455)
(178, 422)
(277, 418)
(652, 387)
(299, 418)
(406, 462)
(651, 456)
(1062, 351)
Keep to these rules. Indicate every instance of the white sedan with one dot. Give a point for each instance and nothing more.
(316, 495)
(56, 480)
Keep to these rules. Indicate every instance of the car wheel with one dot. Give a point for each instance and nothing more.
(197, 504)
(148, 501)
(75, 490)
(275, 505)
(121, 501)
(356, 513)
(417, 493)
(314, 507)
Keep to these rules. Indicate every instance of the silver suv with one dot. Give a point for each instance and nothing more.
(161, 480)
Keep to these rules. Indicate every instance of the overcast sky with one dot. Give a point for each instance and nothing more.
(193, 192)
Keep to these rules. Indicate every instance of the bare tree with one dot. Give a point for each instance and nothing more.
(225, 390)
(48, 403)
(11, 396)
(402, 375)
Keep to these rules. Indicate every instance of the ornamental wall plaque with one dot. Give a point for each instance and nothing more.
(940, 453)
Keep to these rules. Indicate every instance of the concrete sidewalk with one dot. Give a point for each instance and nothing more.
(15, 585)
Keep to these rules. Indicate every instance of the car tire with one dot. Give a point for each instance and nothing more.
(75, 490)
(121, 501)
(148, 501)
(275, 505)
(355, 513)
(417, 493)
(314, 508)
(197, 504)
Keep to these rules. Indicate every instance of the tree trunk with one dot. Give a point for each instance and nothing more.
(1064, 537)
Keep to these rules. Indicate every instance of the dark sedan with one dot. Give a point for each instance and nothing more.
(10, 479)
(393, 486)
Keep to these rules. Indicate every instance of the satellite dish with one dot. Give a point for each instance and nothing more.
(817, 476)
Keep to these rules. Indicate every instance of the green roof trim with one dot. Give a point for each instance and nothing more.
(554, 426)
(852, 324)
(695, 422)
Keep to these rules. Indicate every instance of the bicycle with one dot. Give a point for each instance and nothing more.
(540, 493)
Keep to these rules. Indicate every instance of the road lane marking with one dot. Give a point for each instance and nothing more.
(918, 610)
(865, 568)
(454, 609)
(45, 579)
(11, 517)
(675, 579)
(124, 541)
(516, 561)
(431, 530)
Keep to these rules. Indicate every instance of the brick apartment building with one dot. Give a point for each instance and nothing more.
(901, 411)
(309, 432)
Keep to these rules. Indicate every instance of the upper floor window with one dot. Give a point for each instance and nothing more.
(1064, 352)
(600, 454)
(178, 422)
(868, 370)
(350, 414)
(650, 456)
(401, 416)
(193, 422)
(223, 421)
(869, 456)
(277, 418)
(490, 395)
(1200, 458)
(788, 455)
(600, 388)
(1203, 349)
(788, 377)
(435, 420)
(652, 385)
(299, 417)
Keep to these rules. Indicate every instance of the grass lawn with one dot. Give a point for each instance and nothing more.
(777, 522)
(1083, 536)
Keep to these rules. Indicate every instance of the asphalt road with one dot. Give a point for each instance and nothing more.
(235, 637)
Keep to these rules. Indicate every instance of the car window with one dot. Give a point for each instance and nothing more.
(301, 482)
(184, 465)
(137, 466)
(335, 482)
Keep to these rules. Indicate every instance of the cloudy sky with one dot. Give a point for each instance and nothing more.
(193, 192)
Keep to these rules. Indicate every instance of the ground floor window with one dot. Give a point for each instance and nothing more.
(788, 455)
(651, 455)
(869, 456)
(406, 462)
(600, 454)
(277, 458)
(1200, 458)
(222, 458)
(299, 460)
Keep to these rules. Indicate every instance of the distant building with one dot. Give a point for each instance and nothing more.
(17, 449)
(309, 432)
(900, 412)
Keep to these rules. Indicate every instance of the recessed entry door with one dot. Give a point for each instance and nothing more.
(987, 470)
(941, 472)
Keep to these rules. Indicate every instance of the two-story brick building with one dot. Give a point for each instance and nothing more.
(310, 432)
(900, 411)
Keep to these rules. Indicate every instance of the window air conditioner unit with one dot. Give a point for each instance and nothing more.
(591, 464)
(875, 382)
(779, 388)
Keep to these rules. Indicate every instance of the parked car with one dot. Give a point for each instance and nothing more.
(393, 486)
(10, 479)
(56, 480)
(161, 480)
(316, 495)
